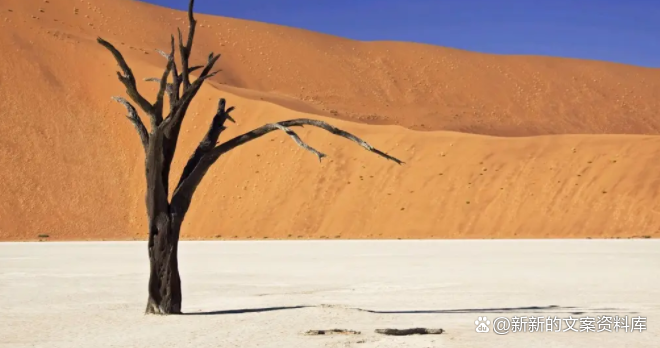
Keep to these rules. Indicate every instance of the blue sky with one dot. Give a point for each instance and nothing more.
(624, 31)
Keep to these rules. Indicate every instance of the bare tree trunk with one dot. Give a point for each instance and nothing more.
(164, 279)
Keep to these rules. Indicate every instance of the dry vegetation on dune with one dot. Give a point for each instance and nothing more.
(71, 166)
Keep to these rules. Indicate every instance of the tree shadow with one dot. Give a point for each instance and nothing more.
(529, 309)
(245, 310)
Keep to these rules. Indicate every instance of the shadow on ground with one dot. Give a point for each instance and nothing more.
(528, 309)
(245, 310)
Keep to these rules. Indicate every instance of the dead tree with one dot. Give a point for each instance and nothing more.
(165, 215)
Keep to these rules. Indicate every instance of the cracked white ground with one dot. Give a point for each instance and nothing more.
(267, 294)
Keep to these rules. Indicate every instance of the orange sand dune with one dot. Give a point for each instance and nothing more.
(71, 165)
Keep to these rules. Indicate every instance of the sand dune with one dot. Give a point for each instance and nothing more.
(71, 165)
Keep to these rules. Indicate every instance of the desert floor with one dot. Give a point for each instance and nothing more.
(267, 294)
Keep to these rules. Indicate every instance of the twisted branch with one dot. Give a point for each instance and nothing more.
(136, 121)
(183, 193)
(186, 49)
(164, 86)
(210, 139)
(128, 79)
(174, 120)
(299, 141)
(265, 129)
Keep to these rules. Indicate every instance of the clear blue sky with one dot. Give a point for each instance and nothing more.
(625, 31)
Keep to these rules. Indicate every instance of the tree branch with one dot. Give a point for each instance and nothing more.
(193, 23)
(175, 86)
(299, 141)
(156, 79)
(263, 130)
(175, 120)
(194, 68)
(190, 93)
(162, 53)
(128, 79)
(183, 193)
(172, 89)
(169, 89)
(185, 50)
(210, 139)
(169, 129)
(136, 121)
(158, 105)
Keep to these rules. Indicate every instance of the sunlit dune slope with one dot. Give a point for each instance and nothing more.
(71, 164)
